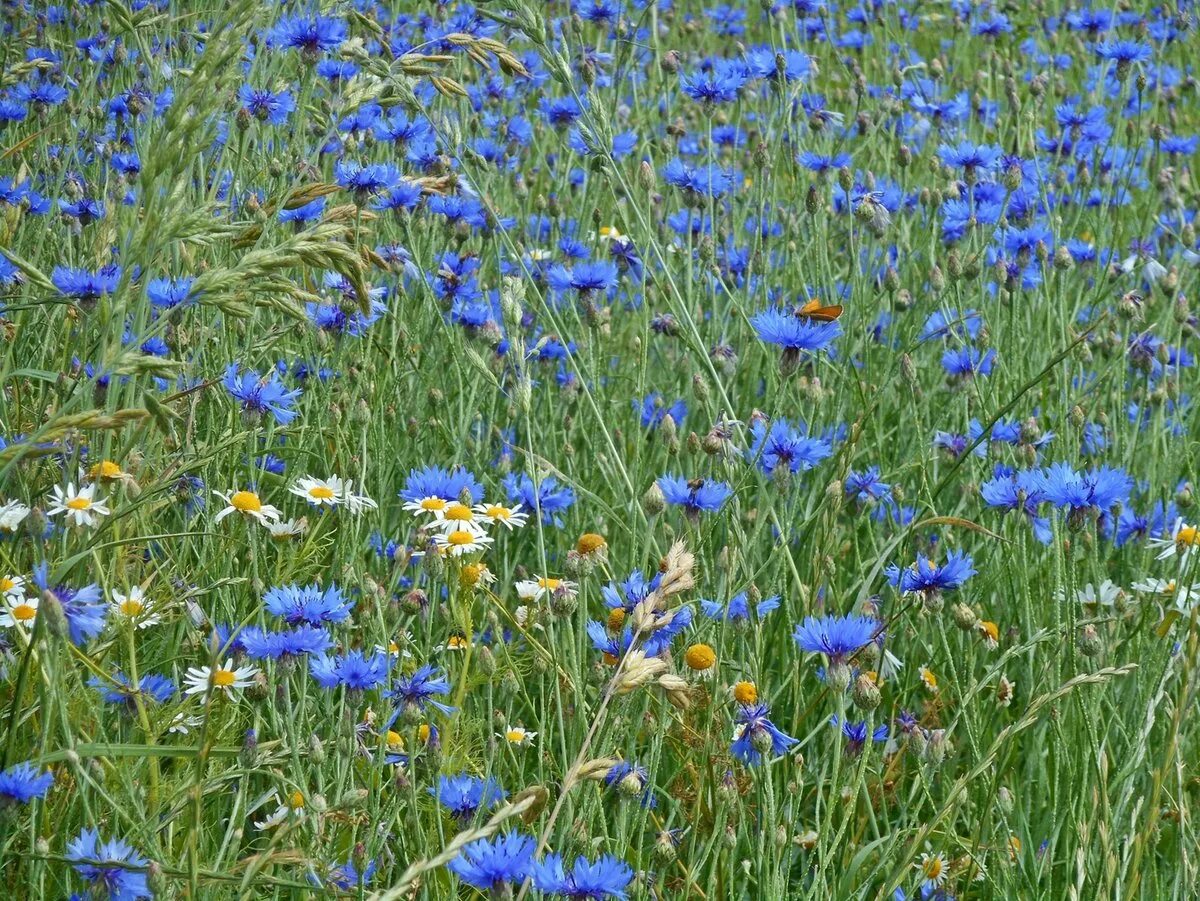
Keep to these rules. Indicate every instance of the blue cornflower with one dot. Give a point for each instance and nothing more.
(856, 734)
(968, 156)
(654, 409)
(366, 181)
(83, 608)
(868, 487)
(631, 592)
(608, 877)
(492, 864)
(796, 335)
(260, 395)
(1095, 491)
(822, 164)
(345, 877)
(719, 84)
(22, 782)
(755, 735)
(80, 284)
(632, 780)
(150, 686)
(927, 578)
(307, 212)
(965, 362)
(354, 670)
(781, 445)
(694, 495)
(311, 35)
(433, 481)
(418, 690)
(308, 604)
(738, 608)
(267, 106)
(265, 644)
(168, 293)
(546, 497)
(126, 881)
(697, 182)
(463, 795)
(1124, 53)
(660, 640)
(586, 278)
(1007, 490)
(837, 637)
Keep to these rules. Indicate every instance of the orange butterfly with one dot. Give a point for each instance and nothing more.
(813, 310)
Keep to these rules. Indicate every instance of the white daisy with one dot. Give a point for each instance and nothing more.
(356, 503)
(1182, 596)
(17, 611)
(200, 679)
(498, 514)
(12, 514)
(134, 607)
(543, 587)
(1183, 542)
(1105, 596)
(459, 542)
(320, 492)
(12, 585)
(182, 724)
(431, 505)
(246, 503)
(82, 507)
(282, 530)
(517, 735)
(293, 807)
(455, 516)
(933, 869)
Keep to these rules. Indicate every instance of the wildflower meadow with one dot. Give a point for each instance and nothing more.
(605, 449)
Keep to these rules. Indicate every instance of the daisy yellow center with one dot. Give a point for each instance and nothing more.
(106, 469)
(130, 607)
(394, 740)
(589, 543)
(700, 657)
(245, 502)
(1187, 536)
(223, 678)
(471, 574)
(1169, 588)
(516, 736)
(547, 582)
(24, 612)
(929, 678)
(423, 732)
(7, 584)
(931, 868)
(433, 504)
(991, 630)
(499, 512)
(78, 503)
(458, 512)
(460, 538)
(456, 642)
(745, 693)
(295, 800)
(393, 648)
(616, 619)
(321, 492)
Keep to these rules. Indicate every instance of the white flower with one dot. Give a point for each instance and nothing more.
(889, 666)
(12, 514)
(1183, 596)
(1183, 542)
(199, 679)
(282, 530)
(517, 735)
(248, 504)
(455, 516)
(133, 607)
(17, 610)
(182, 724)
(356, 503)
(82, 507)
(328, 492)
(498, 514)
(293, 807)
(542, 587)
(431, 505)
(458, 542)
(1104, 596)
(12, 585)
